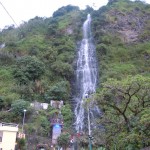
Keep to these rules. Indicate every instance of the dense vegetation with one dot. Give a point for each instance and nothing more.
(37, 64)
(124, 73)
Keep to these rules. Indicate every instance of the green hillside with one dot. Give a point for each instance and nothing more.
(121, 33)
(37, 64)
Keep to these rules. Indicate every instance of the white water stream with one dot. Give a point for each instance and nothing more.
(86, 76)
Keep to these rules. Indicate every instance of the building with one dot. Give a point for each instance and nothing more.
(39, 106)
(56, 104)
(8, 132)
(56, 121)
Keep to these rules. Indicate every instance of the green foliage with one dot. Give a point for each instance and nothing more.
(6, 84)
(67, 116)
(39, 124)
(62, 68)
(65, 9)
(120, 69)
(126, 5)
(52, 42)
(88, 9)
(60, 91)
(60, 56)
(102, 48)
(30, 128)
(50, 55)
(124, 103)
(18, 107)
(31, 45)
(9, 35)
(25, 91)
(101, 148)
(43, 125)
(5, 73)
(28, 69)
(6, 58)
(44, 122)
(64, 140)
(21, 144)
(6, 116)
(37, 25)
(118, 60)
(66, 57)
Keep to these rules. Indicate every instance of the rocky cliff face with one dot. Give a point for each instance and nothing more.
(131, 24)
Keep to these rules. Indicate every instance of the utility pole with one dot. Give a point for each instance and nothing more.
(89, 128)
(89, 125)
(24, 114)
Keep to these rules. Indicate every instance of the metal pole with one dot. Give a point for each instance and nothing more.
(89, 124)
(23, 119)
(89, 127)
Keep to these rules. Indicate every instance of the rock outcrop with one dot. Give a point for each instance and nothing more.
(129, 25)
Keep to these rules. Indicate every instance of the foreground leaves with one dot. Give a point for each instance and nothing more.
(125, 105)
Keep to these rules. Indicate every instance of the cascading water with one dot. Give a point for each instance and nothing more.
(86, 75)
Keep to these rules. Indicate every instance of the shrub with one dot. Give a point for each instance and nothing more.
(64, 140)
(28, 69)
(60, 91)
(18, 107)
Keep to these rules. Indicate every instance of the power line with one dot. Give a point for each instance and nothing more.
(9, 14)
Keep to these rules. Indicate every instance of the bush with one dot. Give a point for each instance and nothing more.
(18, 107)
(21, 144)
(63, 10)
(67, 115)
(28, 69)
(6, 116)
(59, 91)
(62, 68)
(64, 140)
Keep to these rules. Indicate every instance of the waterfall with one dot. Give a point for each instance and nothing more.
(86, 75)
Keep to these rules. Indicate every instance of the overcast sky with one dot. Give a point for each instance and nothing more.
(23, 10)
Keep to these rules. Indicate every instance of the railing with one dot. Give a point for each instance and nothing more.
(8, 124)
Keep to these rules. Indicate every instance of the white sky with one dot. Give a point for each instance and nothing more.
(23, 10)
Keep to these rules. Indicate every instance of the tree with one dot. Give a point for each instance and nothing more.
(21, 144)
(62, 68)
(60, 91)
(50, 55)
(65, 9)
(125, 105)
(26, 91)
(18, 106)
(64, 140)
(28, 69)
(113, 1)
(67, 116)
